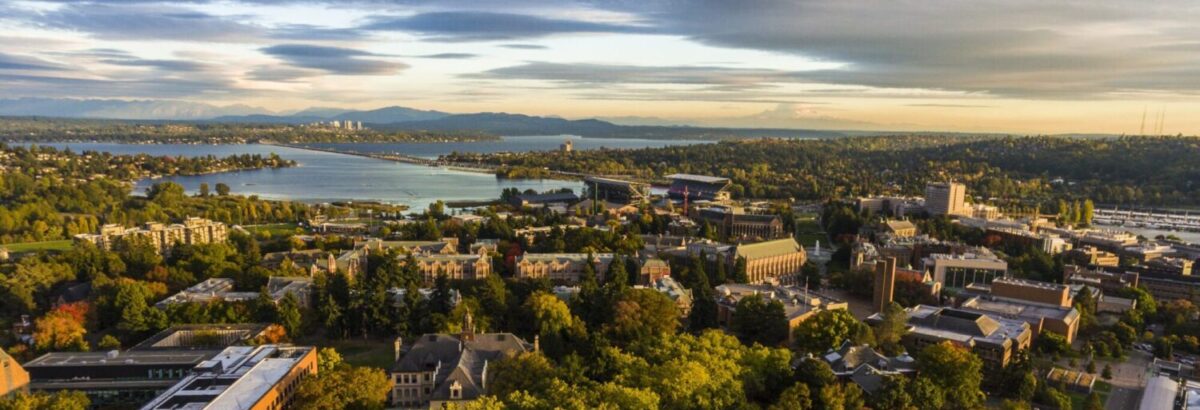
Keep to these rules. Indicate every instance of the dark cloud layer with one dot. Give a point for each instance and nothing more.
(336, 60)
(147, 22)
(487, 26)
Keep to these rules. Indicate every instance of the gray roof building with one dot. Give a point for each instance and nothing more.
(444, 369)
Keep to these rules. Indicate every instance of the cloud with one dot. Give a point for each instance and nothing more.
(16, 85)
(16, 62)
(519, 46)
(315, 33)
(147, 22)
(336, 60)
(1023, 48)
(167, 65)
(486, 26)
(590, 74)
(450, 56)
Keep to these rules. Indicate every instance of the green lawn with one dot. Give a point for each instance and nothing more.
(808, 231)
(1102, 388)
(358, 352)
(273, 229)
(62, 245)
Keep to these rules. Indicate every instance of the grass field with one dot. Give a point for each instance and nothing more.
(1102, 388)
(273, 229)
(358, 352)
(808, 231)
(62, 245)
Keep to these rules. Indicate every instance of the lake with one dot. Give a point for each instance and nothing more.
(506, 144)
(328, 177)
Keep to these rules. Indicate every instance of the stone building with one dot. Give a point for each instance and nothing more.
(777, 261)
(445, 371)
(562, 267)
(473, 266)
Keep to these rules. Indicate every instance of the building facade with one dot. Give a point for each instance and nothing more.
(242, 378)
(193, 231)
(736, 224)
(777, 261)
(946, 198)
(444, 371)
(958, 271)
(13, 377)
(993, 339)
(455, 267)
(562, 267)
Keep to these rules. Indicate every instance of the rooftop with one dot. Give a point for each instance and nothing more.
(699, 178)
(769, 248)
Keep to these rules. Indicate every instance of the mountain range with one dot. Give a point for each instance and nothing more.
(387, 118)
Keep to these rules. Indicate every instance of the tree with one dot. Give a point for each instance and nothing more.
(222, 189)
(758, 320)
(956, 370)
(892, 327)
(550, 314)
(328, 360)
(109, 342)
(925, 394)
(794, 398)
(893, 394)
(1089, 210)
(529, 372)
(1107, 373)
(641, 313)
(739, 271)
(828, 329)
(58, 330)
(1093, 401)
(288, 313)
(345, 387)
(204, 189)
(60, 400)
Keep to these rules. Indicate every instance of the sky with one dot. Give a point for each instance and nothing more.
(1017, 66)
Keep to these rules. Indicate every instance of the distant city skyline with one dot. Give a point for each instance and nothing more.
(991, 66)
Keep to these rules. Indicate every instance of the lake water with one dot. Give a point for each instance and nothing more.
(506, 144)
(327, 177)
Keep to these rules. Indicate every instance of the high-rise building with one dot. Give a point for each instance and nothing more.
(946, 198)
(885, 283)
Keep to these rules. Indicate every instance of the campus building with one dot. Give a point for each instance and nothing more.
(1045, 306)
(698, 188)
(616, 191)
(131, 378)
(734, 223)
(457, 267)
(798, 304)
(866, 367)
(13, 377)
(222, 289)
(242, 378)
(562, 267)
(193, 231)
(946, 198)
(778, 261)
(959, 270)
(994, 339)
(440, 371)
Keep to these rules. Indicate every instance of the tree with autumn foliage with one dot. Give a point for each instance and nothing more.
(62, 329)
